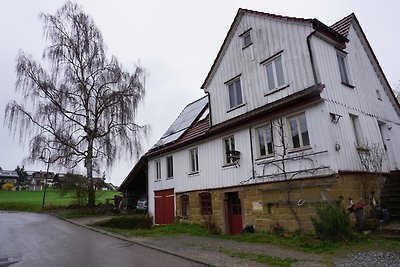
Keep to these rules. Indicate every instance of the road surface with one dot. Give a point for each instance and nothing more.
(30, 239)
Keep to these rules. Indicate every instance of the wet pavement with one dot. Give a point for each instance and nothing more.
(31, 239)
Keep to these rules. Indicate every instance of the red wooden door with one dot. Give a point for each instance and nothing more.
(234, 213)
(164, 206)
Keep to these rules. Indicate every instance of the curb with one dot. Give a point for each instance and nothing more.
(133, 241)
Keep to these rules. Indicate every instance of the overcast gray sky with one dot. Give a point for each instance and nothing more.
(177, 42)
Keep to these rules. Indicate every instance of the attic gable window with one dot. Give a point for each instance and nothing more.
(246, 38)
(235, 93)
(344, 74)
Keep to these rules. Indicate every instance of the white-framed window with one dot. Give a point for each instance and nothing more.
(355, 122)
(158, 169)
(194, 160)
(229, 146)
(265, 140)
(246, 39)
(342, 62)
(298, 131)
(235, 93)
(275, 74)
(170, 167)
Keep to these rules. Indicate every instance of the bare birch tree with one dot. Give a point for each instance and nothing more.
(80, 104)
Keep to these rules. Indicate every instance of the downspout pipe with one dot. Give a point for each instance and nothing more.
(311, 56)
(252, 154)
(209, 109)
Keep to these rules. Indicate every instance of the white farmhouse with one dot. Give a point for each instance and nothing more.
(296, 113)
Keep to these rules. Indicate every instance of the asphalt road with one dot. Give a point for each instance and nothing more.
(33, 239)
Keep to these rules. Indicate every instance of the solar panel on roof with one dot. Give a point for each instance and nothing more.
(184, 120)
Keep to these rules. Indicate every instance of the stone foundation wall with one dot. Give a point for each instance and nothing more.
(266, 205)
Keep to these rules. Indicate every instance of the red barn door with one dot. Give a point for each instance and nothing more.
(164, 206)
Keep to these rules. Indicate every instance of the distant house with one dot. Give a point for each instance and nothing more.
(36, 179)
(7, 176)
(100, 184)
(293, 107)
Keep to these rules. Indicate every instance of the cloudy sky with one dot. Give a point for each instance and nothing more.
(176, 41)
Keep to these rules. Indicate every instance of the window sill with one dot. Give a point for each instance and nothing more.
(266, 157)
(169, 178)
(299, 149)
(239, 106)
(193, 173)
(244, 47)
(348, 85)
(228, 165)
(273, 91)
(157, 181)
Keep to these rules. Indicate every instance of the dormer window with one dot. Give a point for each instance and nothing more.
(246, 38)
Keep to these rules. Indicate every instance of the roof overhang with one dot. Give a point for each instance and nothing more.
(139, 167)
(305, 97)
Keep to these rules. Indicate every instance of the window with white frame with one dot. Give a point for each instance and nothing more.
(246, 39)
(158, 169)
(194, 160)
(229, 146)
(341, 57)
(170, 167)
(355, 121)
(235, 93)
(275, 75)
(265, 140)
(298, 131)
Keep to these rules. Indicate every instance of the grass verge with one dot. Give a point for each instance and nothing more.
(298, 242)
(159, 231)
(257, 257)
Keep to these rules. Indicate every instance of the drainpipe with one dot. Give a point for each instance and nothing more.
(209, 108)
(252, 154)
(311, 55)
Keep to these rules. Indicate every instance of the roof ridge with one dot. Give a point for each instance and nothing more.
(197, 100)
(274, 15)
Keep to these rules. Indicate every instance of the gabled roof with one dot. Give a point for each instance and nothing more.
(314, 23)
(343, 25)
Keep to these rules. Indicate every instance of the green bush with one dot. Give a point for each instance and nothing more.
(128, 222)
(332, 223)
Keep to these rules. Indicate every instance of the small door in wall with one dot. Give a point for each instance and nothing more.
(234, 213)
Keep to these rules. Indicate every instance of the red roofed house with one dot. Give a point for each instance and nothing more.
(296, 112)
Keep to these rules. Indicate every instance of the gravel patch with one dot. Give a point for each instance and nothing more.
(370, 258)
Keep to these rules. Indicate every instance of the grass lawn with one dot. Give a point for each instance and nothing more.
(32, 200)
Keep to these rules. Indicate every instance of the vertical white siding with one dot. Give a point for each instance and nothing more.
(361, 101)
(269, 36)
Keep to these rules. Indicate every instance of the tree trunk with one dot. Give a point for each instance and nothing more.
(89, 169)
